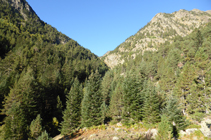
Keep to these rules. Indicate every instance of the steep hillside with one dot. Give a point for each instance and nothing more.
(38, 66)
(173, 82)
(20, 13)
(164, 92)
(163, 27)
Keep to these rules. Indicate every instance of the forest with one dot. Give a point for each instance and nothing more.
(50, 84)
(38, 66)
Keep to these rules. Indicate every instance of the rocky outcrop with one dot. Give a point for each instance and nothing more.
(187, 131)
(163, 27)
(151, 133)
(20, 5)
(113, 60)
(115, 138)
(206, 127)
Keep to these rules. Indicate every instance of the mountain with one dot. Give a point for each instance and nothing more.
(49, 83)
(153, 91)
(175, 78)
(38, 66)
(162, 28)
(22, 7)
(20, 13)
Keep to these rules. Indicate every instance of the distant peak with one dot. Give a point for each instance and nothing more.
(196, 10)
(182, 10)
(209, 12)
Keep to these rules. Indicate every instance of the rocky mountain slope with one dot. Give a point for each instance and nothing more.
(162, 28)
(20, 5)
(21, 14)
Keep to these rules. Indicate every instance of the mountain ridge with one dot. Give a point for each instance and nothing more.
(162, 27)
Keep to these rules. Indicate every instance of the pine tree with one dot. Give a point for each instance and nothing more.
(106, 92)
(116, 103)
(196, 103)
(59, 107)
(20, 106)
(15, 123)
(168, 80)
(132, 98)
(164, 129)
(184, 84)
(199, 39)
(174, 113)
(151, 106)
(106, 87)
(72, 113)
(92, 102)
(44, 136)
(36, 127)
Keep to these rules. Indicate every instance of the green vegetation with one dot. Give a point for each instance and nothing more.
(172, 82)
(91, 110)
(49, 83)
(38, 66)
(164, 129)
(72, 113)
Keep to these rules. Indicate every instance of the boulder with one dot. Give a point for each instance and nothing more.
(182, 133)
(191, 130)
(93, 135)
(206, 127)
(187, 131)
(84, 129)
(118, 129)
(115, 138)
(151, 133)
(119, 124)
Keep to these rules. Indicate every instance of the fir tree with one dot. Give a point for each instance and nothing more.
(151, 106)
(132, 98)
(196, 103)
(106, 92)
(20, 106)
(44, 136)
(174, 113)
(15, 123)
(164, 129)
(36, 127)
(184, 84)
(72, 113)
(92, 102)
(168, 80)
(59, 107)
(116, 103)
(199, 39)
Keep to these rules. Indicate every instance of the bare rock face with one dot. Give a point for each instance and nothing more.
(113, 60)
(206, 127)
(163, 27)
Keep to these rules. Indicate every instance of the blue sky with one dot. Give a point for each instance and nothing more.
(102, 25)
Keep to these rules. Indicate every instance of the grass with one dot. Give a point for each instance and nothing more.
(196, 135)
(193, 126)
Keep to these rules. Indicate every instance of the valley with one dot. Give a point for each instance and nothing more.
(155, 85)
